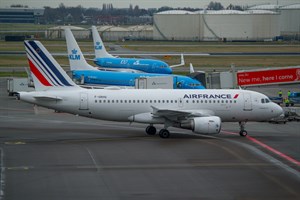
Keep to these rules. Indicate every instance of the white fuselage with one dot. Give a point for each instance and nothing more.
(120, 105)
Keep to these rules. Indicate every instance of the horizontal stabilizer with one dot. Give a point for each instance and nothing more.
(47, 98)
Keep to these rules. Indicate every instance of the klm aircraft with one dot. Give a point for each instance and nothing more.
(88, 74)
(106, 60)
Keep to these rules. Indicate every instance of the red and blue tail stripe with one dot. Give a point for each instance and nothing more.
(43, 67)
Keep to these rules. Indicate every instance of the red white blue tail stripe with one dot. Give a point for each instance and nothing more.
(44, 66)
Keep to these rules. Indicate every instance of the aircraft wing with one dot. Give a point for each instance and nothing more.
(177, 115)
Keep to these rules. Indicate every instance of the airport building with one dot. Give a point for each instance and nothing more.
(289, 19)
(207, 25)
(20, 15)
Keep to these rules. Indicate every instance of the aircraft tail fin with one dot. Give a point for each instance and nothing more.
(46, 72)
(76, 58)
(100, 51)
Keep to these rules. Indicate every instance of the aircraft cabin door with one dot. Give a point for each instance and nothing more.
(180, 102)
(247, 102)
(84, 101)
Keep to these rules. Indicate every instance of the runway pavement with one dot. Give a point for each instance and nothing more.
(48, 155)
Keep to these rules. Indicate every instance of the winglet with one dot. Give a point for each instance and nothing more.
(191, 68)
(76, 58)
(182, 62)
(45, 71)
(100, 51)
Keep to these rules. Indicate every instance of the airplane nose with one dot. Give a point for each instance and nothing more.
(169, 70)
(277, 110)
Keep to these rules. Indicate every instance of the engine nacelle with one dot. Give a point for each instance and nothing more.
(203, 125)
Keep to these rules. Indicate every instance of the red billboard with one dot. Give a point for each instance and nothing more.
(284, 75)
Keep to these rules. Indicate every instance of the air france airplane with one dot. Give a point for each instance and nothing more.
(81, 70)
(201, 111)
(106, 60)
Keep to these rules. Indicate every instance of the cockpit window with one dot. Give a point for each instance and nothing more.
(265, 100)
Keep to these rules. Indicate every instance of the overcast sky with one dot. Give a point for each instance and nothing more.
(140, 3)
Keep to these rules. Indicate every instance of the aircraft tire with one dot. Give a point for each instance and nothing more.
(164, 133)
(151, 130)
(243, 133)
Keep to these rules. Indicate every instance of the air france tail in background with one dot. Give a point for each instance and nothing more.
(106, 60)
(44, 69)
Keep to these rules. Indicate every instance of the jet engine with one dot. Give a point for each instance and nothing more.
(203, 125)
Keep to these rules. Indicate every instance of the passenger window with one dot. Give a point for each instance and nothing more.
(133, 101)
(150, 101)
(171, 101)
(209, 101)
(99, 101)
(117, 101)
(129, 101)
(167, 101)
(125, 101)
(193, 101)
(95, 101)
(146, 101)
(154, 101)
(187, 101)
(138, 101)
(104, 101)
(205, 101)
(113, 101)
(175, 101)
(163, 101)
(121, 101)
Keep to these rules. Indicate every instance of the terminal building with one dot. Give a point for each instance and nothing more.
(20, 15)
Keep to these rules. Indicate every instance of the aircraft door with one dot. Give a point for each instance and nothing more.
(180, 102)
(84, 101)
(247, 102)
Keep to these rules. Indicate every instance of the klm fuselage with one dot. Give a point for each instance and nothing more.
(144, 65)
(128, 79)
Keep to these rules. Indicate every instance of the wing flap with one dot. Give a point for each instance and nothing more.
(171, 114)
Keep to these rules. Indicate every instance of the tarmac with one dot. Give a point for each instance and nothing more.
(49, 155)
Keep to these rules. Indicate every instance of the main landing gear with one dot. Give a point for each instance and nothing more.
(151, 130)
(163, 133)
(243, 132)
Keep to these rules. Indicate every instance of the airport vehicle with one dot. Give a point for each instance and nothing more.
(294, 98)
(15, 85)
(87, 74)
(106, 60)
(201, 111)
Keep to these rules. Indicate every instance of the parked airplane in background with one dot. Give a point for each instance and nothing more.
(106, 60)
(201, 111)
(82, 70)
